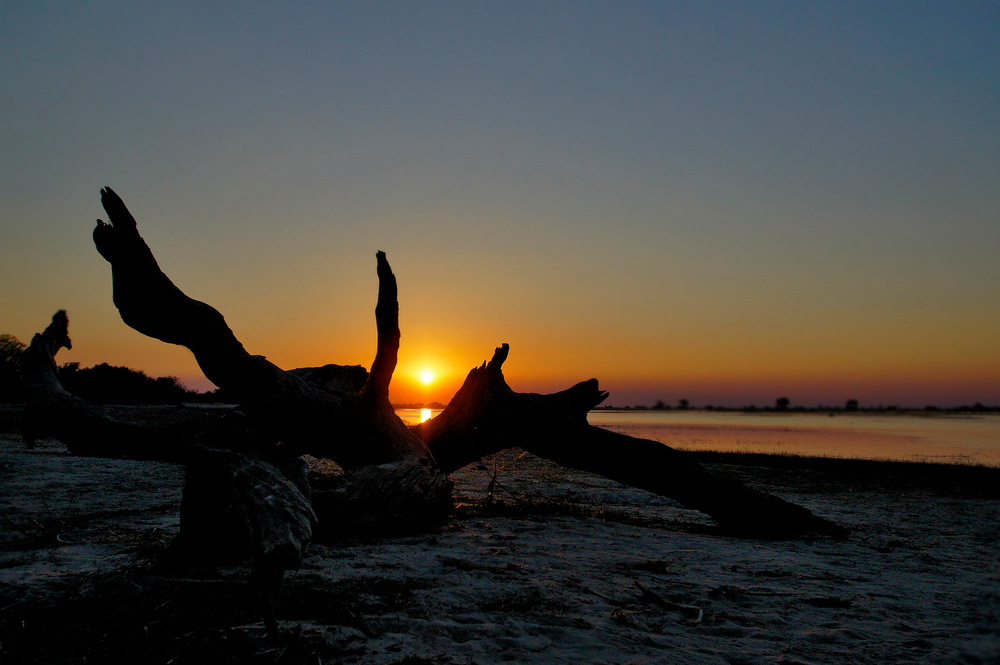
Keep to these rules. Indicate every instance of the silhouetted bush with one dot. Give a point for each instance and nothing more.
(11, 386)
(106, 384)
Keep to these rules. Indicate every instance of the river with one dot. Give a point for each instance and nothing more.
(958, 439)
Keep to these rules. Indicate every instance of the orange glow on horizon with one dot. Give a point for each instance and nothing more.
(633, 373)
(433, 374)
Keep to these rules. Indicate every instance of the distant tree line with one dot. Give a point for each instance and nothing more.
(783, 404)
(11, 388)
(107, 384)
(419, 405)
(101, 384)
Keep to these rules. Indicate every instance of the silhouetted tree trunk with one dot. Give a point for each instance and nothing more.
(335, 412)
(246, 465)
(486, 416)
(85, 428)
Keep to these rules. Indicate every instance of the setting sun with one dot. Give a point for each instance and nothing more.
(426, 377)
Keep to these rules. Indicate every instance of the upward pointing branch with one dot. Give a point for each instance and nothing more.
(150, 303)
(387, 325)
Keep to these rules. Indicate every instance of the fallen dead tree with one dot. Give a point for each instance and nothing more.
(246, 493)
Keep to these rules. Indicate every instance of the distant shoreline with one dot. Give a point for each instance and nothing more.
(850, 474)
(822, 410)
(976, 477)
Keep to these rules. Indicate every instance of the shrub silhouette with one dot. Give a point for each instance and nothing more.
(11, 386)
(106, 384)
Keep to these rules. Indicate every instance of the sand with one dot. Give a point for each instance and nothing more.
(559, 567)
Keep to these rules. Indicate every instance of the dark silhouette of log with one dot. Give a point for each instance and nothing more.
(487, 416)
(222, 519)
(395, 477)
(85, 428)
(334, 412)
(280, 402)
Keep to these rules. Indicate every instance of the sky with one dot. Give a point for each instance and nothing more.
(725, 202)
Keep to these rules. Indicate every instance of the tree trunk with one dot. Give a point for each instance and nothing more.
(334, 412)
(85, 428)
(486, 416)
(244, 469)
(283, 404)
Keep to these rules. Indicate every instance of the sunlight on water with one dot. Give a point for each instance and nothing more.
(962, 439)
(416, 416)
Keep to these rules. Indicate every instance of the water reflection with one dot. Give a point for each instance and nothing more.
(957, 439)
(415, 416)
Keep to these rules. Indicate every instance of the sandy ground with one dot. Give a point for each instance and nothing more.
(561, 568)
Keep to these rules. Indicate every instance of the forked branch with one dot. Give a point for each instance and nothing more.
(393, 474)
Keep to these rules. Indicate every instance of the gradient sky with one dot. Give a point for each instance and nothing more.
(725, 202)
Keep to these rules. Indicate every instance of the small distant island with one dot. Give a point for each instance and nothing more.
(420, 405)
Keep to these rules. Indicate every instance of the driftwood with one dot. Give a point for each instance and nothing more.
(486, 416)
(245, 493)
(85, 428)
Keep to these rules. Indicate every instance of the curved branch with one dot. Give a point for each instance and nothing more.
(316, 410)
(86, 429)
(321, 410)
(150, 303)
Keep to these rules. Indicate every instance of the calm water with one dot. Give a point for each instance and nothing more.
(967, 439)
(935, 438)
